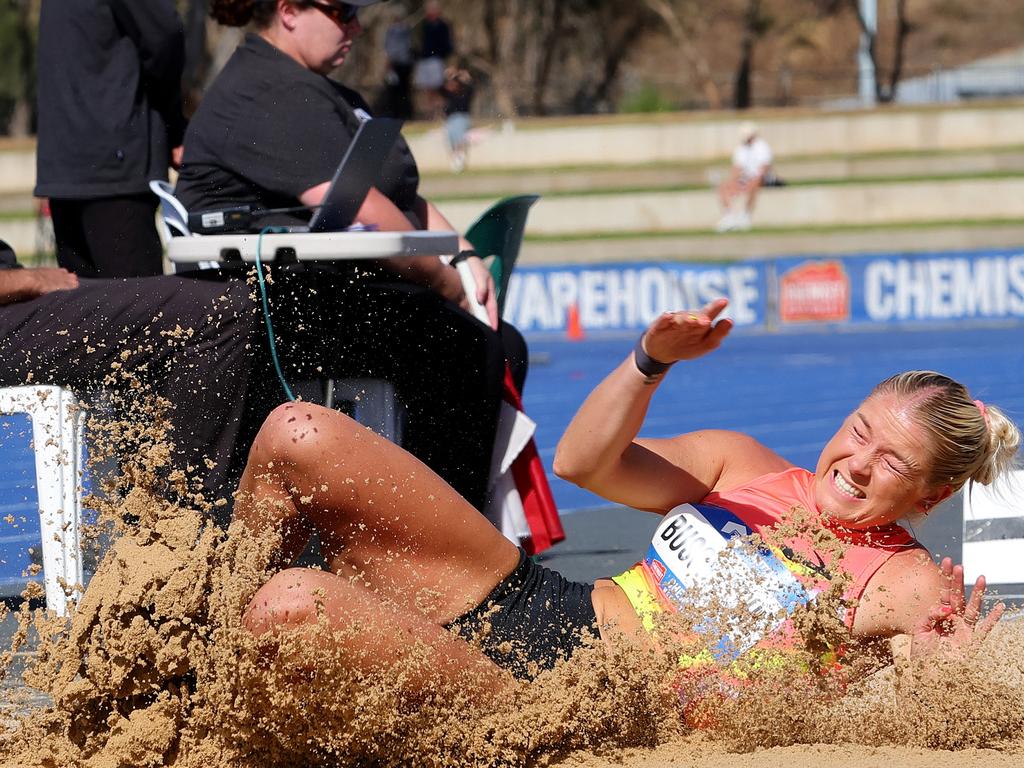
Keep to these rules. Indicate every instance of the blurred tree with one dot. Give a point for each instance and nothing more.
(545, 56)
(887, 79)
(18, 22)
(688, 22)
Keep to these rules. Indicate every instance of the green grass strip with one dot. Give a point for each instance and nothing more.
(768, 230)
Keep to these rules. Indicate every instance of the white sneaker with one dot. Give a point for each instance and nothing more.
(743, 222)
(727, 223)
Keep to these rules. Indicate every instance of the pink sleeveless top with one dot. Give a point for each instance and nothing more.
(768, 500)
(653, 586)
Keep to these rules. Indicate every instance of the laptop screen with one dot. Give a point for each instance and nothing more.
(359, 170)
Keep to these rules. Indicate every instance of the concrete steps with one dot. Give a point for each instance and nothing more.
(709, 246)
(948, 177)
(557, 181)
(827, 205)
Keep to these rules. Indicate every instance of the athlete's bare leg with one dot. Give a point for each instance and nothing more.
(406, 553)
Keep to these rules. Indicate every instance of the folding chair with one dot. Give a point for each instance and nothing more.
(499, 233)
(173, 216)
(41, 431)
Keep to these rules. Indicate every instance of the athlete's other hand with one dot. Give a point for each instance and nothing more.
(686, 335)
(954, 626)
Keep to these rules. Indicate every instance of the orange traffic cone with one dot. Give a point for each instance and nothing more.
(573, 329)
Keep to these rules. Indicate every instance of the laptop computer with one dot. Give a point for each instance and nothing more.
(359, 169)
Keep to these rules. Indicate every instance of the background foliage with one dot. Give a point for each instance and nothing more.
(550, 57)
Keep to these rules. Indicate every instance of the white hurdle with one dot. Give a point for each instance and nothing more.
(57, 423)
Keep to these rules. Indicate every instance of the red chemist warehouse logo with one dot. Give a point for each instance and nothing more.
(815, 292)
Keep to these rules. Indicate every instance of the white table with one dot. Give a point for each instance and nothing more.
(311, 246)
(213, 250)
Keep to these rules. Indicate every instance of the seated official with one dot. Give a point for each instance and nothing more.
(270, 133)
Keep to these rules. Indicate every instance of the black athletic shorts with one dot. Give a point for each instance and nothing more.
(530, 620)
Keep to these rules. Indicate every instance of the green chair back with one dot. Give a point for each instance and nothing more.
(499, 233)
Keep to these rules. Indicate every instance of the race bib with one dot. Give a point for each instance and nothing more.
(690, 549)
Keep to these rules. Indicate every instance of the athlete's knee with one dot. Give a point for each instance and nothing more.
(291, 599)
(292, 430)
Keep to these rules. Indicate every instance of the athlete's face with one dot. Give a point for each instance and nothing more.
(327, 29)
(874, 469)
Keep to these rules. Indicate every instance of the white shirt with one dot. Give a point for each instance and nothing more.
(752, 158)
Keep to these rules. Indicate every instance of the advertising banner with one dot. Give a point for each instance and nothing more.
(781, 293)
(622, 297)
(901, 288)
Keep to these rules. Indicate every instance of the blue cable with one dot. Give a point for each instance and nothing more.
(266, 309)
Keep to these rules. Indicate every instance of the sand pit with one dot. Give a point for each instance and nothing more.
(155, 669)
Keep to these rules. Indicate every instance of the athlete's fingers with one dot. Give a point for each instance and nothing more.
(957, 592)
(714, 308)
(946, 590)
(937, 614)
(972, 612)
(985, 625)
(719, 332)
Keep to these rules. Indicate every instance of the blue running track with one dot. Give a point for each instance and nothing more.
(789, 390)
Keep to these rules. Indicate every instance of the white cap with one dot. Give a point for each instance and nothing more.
(747, 130)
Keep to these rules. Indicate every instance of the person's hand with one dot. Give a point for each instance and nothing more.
(177, 155)
(486, 293)
(687, 335)
(953, 626)
(50, 279)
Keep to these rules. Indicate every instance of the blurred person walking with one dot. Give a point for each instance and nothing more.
(110, 120)
(396, 100)
(458, 97)
(435, 45)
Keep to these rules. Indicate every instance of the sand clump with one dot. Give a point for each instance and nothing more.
(156, 669)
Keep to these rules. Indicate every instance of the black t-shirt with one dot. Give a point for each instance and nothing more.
(269, 129)
(7, 258)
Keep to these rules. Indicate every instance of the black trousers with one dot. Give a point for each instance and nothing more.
(192, 342)
(108, 237)
(201, 344)
(446, 366)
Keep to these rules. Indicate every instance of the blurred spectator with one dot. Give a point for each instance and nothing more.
(396, 100)
(110, 120)
(458, 96)
(435, 46)
(751, 164)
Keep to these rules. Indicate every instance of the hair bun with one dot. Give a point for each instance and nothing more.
(1003, 442)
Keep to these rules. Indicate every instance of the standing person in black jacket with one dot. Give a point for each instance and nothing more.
(110, 120)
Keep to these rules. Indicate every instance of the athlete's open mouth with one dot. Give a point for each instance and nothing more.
(845, 486)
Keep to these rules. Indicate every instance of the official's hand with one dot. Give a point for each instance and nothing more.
(50, 279)
(486, 293)
(687, 335)
(954, 625)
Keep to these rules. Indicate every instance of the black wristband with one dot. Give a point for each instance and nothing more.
(646, 364)
(462, 256)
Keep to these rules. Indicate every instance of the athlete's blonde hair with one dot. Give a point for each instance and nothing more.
(971, 440)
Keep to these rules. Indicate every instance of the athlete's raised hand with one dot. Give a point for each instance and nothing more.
(686, 335)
